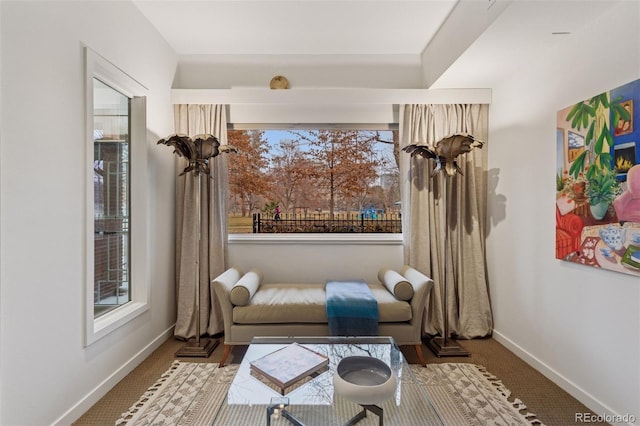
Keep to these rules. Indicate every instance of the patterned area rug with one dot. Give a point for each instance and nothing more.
(194, 394)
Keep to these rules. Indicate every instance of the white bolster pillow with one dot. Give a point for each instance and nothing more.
(245, 288)
(396, 284)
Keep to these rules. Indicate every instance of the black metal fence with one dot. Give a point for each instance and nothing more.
(320, 223)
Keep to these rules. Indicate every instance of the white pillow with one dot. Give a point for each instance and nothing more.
(396, 284)
(245, 288)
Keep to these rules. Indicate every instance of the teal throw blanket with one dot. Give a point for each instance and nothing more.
(352, 310)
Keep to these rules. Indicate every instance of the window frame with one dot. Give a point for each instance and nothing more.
(96, 328)
(315, 238)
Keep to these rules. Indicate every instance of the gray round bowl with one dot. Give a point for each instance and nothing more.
(364, 380)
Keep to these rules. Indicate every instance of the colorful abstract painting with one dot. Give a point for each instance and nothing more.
(598, 181)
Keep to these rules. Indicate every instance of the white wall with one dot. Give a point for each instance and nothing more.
(47, 374)
(577, 324)
(309, 259)
(302, 71)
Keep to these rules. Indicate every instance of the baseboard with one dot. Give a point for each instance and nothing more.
(75, 412)
(567, 385)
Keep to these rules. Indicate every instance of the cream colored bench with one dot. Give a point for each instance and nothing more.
(251, 308)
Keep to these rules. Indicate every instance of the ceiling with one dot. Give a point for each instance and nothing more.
(489, 45)
(311, 27)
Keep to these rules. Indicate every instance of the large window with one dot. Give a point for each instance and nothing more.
(116, 283)
(325, 180)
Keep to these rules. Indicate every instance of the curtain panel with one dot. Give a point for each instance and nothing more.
(193, 120)
(423, 217)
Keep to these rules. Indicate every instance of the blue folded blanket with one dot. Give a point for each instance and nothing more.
(352, 310)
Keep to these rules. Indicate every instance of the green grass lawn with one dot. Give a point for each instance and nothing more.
(240, 225)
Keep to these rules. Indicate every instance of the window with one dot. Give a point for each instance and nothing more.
(325, 180)
(116, 278)
(111, 195)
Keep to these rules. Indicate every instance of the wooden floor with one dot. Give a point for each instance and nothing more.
(551, 405)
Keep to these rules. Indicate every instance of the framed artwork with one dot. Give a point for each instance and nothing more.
(622, 126)
(598, 170)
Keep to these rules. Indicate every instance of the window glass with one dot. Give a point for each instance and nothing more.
(111, 110)
(313, 181)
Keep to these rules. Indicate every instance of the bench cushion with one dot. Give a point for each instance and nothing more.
(390, 309)
(396, 283)
(284, 303)
(245, 288)
(305, 303)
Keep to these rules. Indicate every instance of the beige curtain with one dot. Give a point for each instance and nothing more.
(192, 120)
(423, 220)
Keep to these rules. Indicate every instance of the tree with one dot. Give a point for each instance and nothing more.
(395, 141)
(345, 161)
(247, 178)
(291, 173)
(391, 189)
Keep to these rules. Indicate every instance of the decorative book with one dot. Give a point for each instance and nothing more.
(288, 365)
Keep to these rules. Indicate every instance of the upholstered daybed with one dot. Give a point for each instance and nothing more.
(252, 308)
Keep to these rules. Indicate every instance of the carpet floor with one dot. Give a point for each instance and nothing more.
(551, 405)
(194, 394)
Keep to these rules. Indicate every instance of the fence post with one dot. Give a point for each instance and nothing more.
(256, 223)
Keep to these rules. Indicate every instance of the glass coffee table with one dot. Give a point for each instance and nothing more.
(253, 400)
